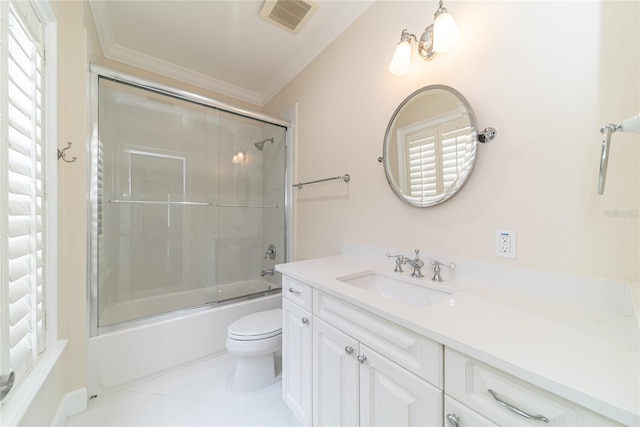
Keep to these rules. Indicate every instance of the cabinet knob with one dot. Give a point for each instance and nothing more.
(453, 419)
(348, 350)
(362, 358)
(305, 321)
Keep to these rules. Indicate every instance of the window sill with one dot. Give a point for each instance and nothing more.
(15, 406)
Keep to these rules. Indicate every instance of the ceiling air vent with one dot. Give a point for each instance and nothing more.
(291, 15)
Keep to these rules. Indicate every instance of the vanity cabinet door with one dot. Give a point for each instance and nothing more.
(297, 339)
(335, 377)
(393, 396)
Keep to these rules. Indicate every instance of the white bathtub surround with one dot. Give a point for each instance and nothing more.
(123, 357)
(576, 337)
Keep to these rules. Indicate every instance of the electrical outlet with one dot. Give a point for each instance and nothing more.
(505, 244)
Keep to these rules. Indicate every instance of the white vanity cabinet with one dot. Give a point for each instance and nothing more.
(355, 385)
(354, 356)
(480, 395)
(368, 371)
(297, 330)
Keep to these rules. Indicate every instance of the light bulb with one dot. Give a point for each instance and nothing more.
(445, 32)
(401, 59)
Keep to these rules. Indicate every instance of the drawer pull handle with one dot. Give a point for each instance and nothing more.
(516, 410)
(293, 291)
(348, 349)
(454, 420)
(362, 358)
(305, 321)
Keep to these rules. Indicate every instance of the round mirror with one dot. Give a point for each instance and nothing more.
(430, 146)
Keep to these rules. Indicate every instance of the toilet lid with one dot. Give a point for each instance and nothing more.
(264, 324)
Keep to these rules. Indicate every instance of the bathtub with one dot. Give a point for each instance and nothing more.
(124, 357)
(144, 306)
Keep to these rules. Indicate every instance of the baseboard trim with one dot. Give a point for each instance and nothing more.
(73, 403)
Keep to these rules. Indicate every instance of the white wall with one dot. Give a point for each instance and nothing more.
(546, 75)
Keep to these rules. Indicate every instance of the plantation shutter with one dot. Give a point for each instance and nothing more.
(454, 144)
(437, 153)
(422, 167)
(23, 187)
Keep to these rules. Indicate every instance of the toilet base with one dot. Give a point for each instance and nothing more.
(253, 373)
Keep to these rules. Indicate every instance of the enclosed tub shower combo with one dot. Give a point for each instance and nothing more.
(188, 219)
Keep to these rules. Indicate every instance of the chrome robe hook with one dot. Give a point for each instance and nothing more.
(62, 154)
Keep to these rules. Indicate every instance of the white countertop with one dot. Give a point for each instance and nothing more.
(586, 355)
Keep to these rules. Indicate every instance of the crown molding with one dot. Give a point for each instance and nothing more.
(158, 66)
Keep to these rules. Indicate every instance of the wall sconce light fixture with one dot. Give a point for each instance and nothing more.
(436, 38)
(239, 157)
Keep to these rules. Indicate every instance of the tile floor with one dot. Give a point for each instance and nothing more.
(197, 395)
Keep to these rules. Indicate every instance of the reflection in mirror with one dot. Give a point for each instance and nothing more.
(430, 146)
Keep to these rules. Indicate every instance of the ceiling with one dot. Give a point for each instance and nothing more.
(221, 45)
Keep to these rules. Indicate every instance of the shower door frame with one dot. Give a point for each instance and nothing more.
(98, 71)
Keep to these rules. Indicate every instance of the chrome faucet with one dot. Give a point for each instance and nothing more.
(417, 264)
(399, 261)
(268, 272)
(436, 269)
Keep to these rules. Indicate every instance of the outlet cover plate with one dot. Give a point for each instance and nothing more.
(506, 243)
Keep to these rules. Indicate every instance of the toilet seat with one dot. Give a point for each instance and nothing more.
(257, 326)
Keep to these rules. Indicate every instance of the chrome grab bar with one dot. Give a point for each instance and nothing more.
(632, 124)
(606, 131)
(346, 178)
(516, 410)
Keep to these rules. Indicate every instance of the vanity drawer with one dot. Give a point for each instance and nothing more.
(458, 415)
(297, 292)
(408, 349)
(469, 381)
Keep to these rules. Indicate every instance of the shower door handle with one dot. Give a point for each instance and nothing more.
(158, 202)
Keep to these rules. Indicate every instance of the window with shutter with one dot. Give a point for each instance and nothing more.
(22, 233)
(435, 151)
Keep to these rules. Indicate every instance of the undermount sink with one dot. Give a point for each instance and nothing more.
(415, 292)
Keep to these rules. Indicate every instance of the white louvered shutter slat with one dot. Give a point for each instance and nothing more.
(23, 176)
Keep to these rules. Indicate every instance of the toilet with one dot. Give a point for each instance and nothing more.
(253, 340)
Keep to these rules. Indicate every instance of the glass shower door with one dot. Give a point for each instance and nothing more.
(154, 197)
(251, 206)
(188, 205)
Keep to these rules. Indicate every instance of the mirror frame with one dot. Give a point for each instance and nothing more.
(462, 179)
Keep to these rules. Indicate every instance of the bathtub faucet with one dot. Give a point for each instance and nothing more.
(266, 272)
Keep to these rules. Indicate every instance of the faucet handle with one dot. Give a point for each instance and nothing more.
(436, 269)
(399, 262)
(436, 263)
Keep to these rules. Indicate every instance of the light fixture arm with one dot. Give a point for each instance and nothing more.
(425, 44)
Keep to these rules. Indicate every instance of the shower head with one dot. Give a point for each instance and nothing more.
(260, 144)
